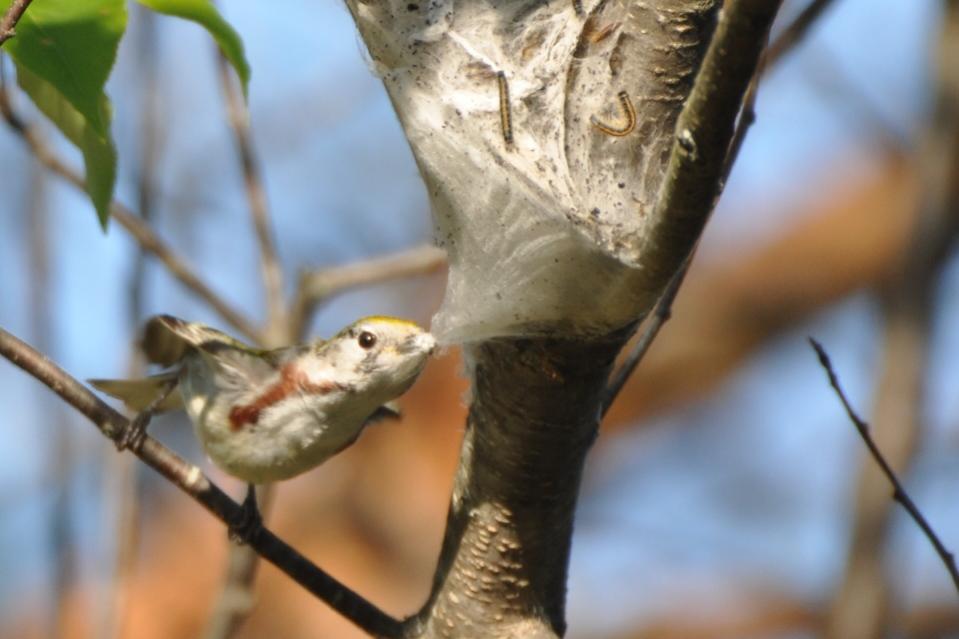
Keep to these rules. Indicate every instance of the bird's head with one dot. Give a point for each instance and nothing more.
(378, 356)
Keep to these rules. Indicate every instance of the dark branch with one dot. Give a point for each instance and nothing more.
(193, 482)
(317, 286)
(899, 493)
(660, 316)
(11, 18)
(705, 130)
(783, 44)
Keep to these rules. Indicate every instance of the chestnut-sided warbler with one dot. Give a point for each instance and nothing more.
(266, 415)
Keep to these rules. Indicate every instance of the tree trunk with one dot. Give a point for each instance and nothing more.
(534, 414)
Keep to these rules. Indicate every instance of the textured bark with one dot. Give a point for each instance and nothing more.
(535, 412)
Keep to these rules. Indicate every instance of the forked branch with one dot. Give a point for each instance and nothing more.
(11, 18)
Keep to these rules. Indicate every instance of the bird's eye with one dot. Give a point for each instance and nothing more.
(366, 340)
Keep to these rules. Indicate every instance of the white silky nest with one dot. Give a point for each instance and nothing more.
(541, 151)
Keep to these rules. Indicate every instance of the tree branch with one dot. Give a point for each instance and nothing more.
(705, 129)
(319, 285)
(194, 483)
(132, 223)
(787, 40)
(899, 493)
(238, 117)
(61, 461)
(660, 316)
(11, 18)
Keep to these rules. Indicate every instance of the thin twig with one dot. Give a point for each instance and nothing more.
(235, 599)
(785, 42)
(790, 36)
(909, 297)
(11, 18)
(145, 236)
(319, 285)
(660, 316)
(747, 117)
(238, 116)
(194, 483)
(899, 493)
(131, 222)
(830, 77)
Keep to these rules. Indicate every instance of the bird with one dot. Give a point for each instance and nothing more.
(268, 415)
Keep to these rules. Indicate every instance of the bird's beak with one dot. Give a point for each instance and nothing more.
(421, 343)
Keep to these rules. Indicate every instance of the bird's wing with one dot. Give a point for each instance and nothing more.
(167, 339)
(389, 410)
(239, 366)
(137, 394)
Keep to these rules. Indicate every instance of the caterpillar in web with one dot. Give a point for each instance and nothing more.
(628, 111)
(505, 115)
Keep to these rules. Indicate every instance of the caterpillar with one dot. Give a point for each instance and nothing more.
(630, 113)
(505, 116)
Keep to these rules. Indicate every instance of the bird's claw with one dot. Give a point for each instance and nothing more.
(135, 433)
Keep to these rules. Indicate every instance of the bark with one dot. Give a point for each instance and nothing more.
(502, 569)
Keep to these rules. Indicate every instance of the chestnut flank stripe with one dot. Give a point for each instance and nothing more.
(291, 381)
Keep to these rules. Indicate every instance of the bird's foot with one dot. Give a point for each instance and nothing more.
(248, 523)
(135, 433)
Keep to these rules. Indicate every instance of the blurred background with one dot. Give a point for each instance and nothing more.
(725, 497)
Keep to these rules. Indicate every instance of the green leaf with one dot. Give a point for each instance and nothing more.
(72, 44)
(99, 155)
(204, 13)
(64, 51)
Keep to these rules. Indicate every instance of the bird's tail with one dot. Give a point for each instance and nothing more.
(137, 394)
